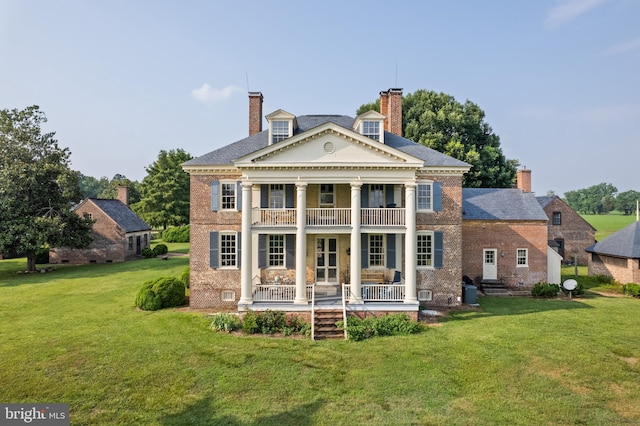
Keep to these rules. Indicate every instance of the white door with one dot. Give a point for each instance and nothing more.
(327, 260)
(490, 264)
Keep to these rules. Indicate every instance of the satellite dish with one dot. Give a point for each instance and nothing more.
(570, 285)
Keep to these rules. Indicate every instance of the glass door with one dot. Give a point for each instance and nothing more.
(327, 260)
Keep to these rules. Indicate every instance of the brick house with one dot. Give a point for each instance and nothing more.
(618, 255)
(504, 234)
(568, 231)
(318, 201)
(118, 233)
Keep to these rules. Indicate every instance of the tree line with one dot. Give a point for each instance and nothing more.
(602, 199)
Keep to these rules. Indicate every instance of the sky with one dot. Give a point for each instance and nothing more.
(119, 81)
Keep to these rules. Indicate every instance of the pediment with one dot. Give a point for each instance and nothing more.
(328, 145)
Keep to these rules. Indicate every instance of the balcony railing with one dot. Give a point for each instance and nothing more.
(378, 292)
(277, 293)
(329, 217)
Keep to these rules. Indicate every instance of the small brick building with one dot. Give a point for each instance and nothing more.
(618, 255)
(568, 231)
(118, 233)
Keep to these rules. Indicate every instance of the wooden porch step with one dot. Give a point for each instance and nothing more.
(325, 324)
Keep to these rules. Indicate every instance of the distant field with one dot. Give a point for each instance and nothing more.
(607, 224)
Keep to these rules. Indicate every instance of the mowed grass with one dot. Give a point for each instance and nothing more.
(607, 224)
(74, 336)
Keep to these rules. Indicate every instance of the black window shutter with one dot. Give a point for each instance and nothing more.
(290, 255)
(239, 196)
(215, 196)
(437, 196)
(264, 196)
(388, 195)
(239, 250)
(289, 191)
(262, 251)
(364, 249)
(437, 249)
(391, 251)
(364, 196)
(213, 249)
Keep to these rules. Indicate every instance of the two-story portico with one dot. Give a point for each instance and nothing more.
(322, 200)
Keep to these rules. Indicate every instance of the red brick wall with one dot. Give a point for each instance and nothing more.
(506, 237)
(574, 230)
(622, 270)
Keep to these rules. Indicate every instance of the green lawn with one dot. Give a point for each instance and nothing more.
(607, 224)
(74, 336)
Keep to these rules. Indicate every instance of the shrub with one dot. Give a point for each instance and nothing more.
(250, 323)
(546, 290)
(225, 322)
(631, 289)
(294, 324)
(270, 322)
(176, 234)
(579, 290)
(385, 325)
(147, 252)
(603, 279)
(160, 249)
(184, 277)
(163, 292)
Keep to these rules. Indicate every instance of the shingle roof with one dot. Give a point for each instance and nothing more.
(545, 199)
(500, 204)
(624, 243)
(121, 214)
(229, 153)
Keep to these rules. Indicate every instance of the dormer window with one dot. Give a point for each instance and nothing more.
(371, 129)
(281, 126)
(371, 125)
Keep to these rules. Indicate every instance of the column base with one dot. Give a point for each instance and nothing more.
(245, 302)
(301, 302)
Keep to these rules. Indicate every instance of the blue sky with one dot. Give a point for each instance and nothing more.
(121, 80)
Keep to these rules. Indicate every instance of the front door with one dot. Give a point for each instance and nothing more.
(327, 260)
(490, 264)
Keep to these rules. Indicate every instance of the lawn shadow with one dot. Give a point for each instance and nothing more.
(203, 412)
(503, 306)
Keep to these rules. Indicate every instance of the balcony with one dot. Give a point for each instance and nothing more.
(319, 217)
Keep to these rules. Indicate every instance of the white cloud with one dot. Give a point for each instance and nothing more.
(566, 10)
(206, 93)
(624, 47)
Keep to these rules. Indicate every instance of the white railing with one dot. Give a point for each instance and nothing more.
(277, 293)
(274, 217)
(382, 217)
(328, 217)
(344, 310)
(313, 313)
(382, 292)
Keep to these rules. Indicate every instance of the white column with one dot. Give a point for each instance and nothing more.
(246, 270)
(356, 250)
(410, 244)
(301, 244)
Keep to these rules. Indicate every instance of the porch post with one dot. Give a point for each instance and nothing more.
(410, 242)
(301, 244)
(356, 249)
(246, 269)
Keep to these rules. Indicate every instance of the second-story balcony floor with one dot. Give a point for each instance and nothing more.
(328, 217)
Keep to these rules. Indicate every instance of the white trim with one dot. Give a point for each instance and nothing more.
(526, 258)
(429, 233)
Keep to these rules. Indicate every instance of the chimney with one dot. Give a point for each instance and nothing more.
(123, 194)
(391, 107)
(524, 179)
(255, 112)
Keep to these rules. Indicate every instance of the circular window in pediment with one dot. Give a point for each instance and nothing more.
(329, 148)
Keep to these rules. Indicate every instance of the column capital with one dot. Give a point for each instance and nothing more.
(357, 185)
(411, 185)
(246, 184)
(301, 185)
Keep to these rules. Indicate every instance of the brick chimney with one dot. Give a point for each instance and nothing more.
(524, 179)
(123, 195)
(391, 107)
(255, 112)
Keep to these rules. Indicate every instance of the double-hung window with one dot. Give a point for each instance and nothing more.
(424, 249)
(228, 195)
(371, 129)
(276, 196)
(425, 196)
(276, 251)
(228, 249)
(326, 195)
(557, 218)
(522, 257)
(376, 195)
(376, 250)
(279, 131)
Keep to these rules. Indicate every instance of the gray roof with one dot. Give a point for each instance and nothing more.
(121, 214)
(500, 204)
(229, 153)
(624, 243)
(544, 200)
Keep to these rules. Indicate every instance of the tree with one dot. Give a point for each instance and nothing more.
(626, 201)
(37, 189)
(110, 192)
(596, 199)
(438, 121)
(92, 187)
(165, 191)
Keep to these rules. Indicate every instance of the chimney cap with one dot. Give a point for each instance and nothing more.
(255, 94)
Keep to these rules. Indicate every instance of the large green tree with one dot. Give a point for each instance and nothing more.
(596, 199)
(626, 202)
(165, 191)
(37, 189)
(440, 122)
(110, 192)
(92, 187)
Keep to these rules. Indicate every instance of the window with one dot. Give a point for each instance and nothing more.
(228, 250)
(376, 195)
(146, 240)
(279, 131)
(522, 257)
(424, 192)
(376, 250)
(326, 195)
(276, 196)
(228, 296)
(130, 243)
(425, 249)
(371, 129)
(557, 218)
(276, 250)
(88, 215)
(228, 194)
